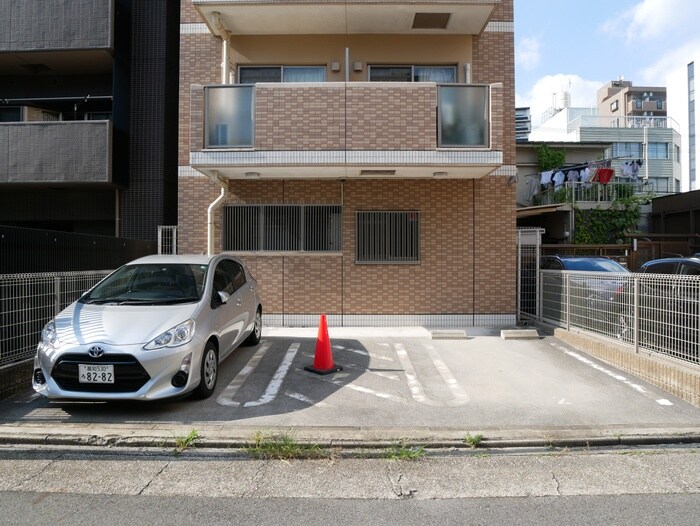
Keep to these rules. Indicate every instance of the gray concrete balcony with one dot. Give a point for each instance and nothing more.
(59, 152)
(38, 36)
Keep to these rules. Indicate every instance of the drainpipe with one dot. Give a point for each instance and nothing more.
(225, 35)
(213, 207)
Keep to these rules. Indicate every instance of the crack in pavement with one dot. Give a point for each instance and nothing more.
(397, 487)
(154, 478)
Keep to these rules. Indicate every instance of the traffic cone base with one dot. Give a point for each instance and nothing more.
(323, 360)
(312, 369)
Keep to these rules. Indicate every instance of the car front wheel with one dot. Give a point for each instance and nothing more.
(209, 371)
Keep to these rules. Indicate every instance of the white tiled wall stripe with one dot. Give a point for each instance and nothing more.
(341, 157)
(500, 27)
(396, 320)
(188, 171)
(194, 29)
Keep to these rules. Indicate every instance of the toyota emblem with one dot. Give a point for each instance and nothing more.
(96, 351)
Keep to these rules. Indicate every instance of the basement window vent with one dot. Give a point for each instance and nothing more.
(377, 172)
(431, 20)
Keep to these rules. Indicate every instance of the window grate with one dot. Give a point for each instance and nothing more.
(283, 228)
(388, 236)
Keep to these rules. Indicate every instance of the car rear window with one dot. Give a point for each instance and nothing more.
(663, 267)
(595, 265)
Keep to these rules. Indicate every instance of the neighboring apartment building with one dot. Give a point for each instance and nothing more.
(358, 155)
(634, 121)
(88, 115)
(523, 124)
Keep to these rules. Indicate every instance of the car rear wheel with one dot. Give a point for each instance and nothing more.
(209, 372)
(254, 337)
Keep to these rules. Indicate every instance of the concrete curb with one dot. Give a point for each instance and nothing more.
(213, 439)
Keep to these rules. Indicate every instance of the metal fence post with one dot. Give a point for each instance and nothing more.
(635, 317)
(56, 295)
(567, 296)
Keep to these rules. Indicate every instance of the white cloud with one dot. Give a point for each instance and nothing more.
(527, 53)
(658, 73)
(542, 95)
(655, 19)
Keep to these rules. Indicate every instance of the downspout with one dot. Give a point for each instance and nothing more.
(213, 207)
(225, 35)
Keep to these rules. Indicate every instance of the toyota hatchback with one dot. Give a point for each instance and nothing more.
(157, 327)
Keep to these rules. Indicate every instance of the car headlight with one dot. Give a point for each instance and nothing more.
(49, 336)
(178, 335)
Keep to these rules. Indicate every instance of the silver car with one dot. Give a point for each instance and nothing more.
(157, 327)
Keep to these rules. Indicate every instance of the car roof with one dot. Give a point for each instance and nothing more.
(184, 259)
(693, 259)
(578, 258)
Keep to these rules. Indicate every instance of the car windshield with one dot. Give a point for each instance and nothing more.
(595, 265)
(149, 284)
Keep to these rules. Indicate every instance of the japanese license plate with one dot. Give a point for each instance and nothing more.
(95, 374)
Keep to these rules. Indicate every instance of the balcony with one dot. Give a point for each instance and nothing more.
(59, 152)
(384, 17)
(356, 129)
(38, 36)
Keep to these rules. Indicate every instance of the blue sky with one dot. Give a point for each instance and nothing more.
(579, 45)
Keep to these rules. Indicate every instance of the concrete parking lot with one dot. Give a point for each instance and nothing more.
(394, 383)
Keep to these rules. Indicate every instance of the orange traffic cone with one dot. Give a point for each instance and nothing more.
(323, 360)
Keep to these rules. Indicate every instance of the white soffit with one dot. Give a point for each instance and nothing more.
(272, 18)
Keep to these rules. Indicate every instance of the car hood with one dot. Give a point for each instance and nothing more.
(81, 324)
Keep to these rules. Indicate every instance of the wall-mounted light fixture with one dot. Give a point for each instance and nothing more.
(252, 174)
(439, 175)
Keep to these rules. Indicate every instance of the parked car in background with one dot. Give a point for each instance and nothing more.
(157, 327)
(669, 306)
(592, 289)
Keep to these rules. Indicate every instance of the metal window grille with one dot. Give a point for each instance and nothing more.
(388, 236)
(283, 228)
(167, 239)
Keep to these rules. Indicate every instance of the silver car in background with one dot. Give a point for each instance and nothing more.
(158, 327)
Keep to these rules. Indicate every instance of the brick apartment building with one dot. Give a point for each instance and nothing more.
(358, 155)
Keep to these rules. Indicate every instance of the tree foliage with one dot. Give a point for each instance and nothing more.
(599, 226)
(549, 158)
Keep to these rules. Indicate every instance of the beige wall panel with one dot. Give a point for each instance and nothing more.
(368, 49)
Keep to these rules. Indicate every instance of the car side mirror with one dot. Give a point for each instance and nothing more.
(220, 298)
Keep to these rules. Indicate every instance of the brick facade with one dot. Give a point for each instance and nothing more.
(465, 230)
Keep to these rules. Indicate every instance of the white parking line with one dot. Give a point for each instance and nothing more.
(639, 388)
(274, 386)
(226, 398)
(304, 398)
(415, 386)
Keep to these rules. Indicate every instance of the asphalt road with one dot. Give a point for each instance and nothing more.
(619, 487)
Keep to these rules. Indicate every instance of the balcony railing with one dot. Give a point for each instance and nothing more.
(576, 192)
(56, 152)
(354, 116)
(600, 121)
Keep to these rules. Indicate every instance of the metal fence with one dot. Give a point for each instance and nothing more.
(28, 301)
(657, 313)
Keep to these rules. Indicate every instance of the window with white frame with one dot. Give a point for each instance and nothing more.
(657, 150)
(282, 228)
(255, 74)
(439, 74)
(627, 149)
(388, 236)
